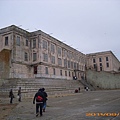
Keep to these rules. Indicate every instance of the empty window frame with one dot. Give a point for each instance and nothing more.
(45, 44)
(68, 63)
(107, 64)
(65, 63)
(95, 66)
(107, 59)
(59, 51)
(65, 73)
(34, 43)
(100, 68)
(53, 59)
(100, 64)
(75, 65)
(34, 56)
(6, 41)
(45, 57)
(26, 42)
(59, 61)
(100, 59)
(61, 72)
(35, 69)
(69, 74)
(26, 56)
(53, 71)
(94, 61)
(71, 65)
(46, 70)
(52, 48)
(18, 41)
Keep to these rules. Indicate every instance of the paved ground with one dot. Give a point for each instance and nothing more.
(91, 105)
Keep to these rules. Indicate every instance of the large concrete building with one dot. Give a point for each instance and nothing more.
(36, 54)
(103, 61)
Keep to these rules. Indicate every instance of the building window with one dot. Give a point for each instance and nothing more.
(26, 42)
(44, 44)
(100, 64)
(107, 64)
(69, 74)
(65, 73)
(26, 56)
(35, 69)
(72, 74)
(53, 59)
(52, 48)
(18, 41)
(45, 57)
(59, 61)
(93, 60)
(34, 56)
(6, 41)
(68, 64)
(61, 72)
(72, 65)
(75, 65)
(94, 65)
(59, 51)
(107, 59)
(34, 43)
(100, 68)
(46, 70)
(100, 59)
(65, 63)
(53, 71)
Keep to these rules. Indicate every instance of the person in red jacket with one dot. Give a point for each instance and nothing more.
(39, 98)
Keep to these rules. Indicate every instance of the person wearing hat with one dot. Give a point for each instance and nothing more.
(39, 98)
(44, 104)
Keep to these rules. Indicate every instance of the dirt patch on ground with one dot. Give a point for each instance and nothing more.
(5, 110)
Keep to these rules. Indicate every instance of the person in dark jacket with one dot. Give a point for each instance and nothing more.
(39, 98)
(11, 95)
(45, 103)
(19, 94)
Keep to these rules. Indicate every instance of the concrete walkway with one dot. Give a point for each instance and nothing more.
(91, 105)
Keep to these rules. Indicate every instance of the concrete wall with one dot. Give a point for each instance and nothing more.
(104, 80)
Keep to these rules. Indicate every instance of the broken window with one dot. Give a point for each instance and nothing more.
(6, 41)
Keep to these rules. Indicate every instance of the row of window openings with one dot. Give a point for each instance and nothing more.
(100, 60)
(44, 46)
(66, 63)
(54, 72)
(107, 65)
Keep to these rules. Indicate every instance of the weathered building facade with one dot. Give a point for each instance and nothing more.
(36, 54)
(103, 61)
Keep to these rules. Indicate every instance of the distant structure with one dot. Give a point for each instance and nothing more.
(36, 54)
(103, 61)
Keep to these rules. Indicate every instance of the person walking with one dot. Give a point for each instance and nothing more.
(45, 103)
(11, 95)
(39, 98)
(79, 89)
(19, 94)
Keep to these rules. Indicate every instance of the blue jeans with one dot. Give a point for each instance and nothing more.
(44, 105)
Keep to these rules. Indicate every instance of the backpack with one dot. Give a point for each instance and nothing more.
(39, 98)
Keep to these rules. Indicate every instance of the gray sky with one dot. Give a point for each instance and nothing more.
(86, 25)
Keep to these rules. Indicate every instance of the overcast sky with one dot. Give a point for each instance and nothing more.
(87, 25)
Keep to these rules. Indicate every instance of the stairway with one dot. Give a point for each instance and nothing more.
(54, 87)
